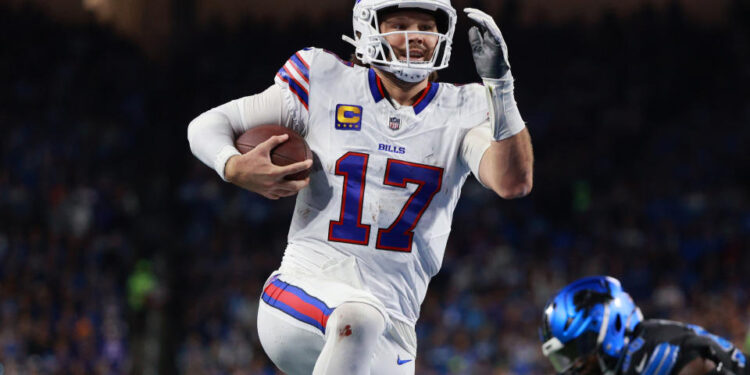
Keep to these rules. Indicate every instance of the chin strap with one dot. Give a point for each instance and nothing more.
(406, 74)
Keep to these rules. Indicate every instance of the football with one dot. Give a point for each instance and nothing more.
(295, 148)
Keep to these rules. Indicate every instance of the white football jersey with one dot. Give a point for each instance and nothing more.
(385, 181)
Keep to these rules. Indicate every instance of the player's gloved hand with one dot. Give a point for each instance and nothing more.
(488, 46)
(254, 171)
(491, 60)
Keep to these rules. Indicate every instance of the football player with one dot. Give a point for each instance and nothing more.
(392, 151)
(592, 326)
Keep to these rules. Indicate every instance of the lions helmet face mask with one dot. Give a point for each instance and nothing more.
(372, 48)
(590, 317)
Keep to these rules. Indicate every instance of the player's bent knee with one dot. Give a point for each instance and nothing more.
(293, 349)
(358, 321)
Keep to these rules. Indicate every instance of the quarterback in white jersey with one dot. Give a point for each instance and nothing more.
(392, 150)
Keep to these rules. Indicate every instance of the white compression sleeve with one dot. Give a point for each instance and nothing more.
(211, 135)
(505, 118)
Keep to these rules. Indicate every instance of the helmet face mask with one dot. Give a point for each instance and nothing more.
(371, 46)
(568, 358)
(590, 318)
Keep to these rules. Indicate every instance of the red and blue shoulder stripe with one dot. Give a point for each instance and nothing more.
(296, 73)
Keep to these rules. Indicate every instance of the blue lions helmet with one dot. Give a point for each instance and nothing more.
(590, 318)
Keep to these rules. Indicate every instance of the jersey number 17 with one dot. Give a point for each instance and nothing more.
(398, 236)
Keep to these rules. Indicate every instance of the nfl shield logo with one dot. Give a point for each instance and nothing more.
(394, 123)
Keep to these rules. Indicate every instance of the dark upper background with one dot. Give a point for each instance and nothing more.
(121, 253)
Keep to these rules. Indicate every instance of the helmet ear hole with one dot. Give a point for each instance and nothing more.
(618, 323)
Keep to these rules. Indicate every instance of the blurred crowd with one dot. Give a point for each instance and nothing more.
(121, 253)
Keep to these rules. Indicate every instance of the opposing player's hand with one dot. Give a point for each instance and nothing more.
(487, 46)
(254, 171)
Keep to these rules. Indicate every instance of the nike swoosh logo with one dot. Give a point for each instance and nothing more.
(402, 361)
(639, 368)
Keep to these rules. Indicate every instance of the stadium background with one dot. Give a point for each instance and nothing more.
(121, 253)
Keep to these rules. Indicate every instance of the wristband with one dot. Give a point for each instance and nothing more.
(505, 119)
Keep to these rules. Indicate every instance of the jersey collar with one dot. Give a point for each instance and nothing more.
(379, 93)
(376, 86)
(427, 95)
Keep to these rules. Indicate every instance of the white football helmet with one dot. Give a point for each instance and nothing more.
(372, 48)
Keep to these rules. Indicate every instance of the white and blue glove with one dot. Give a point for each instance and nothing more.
(491, 60)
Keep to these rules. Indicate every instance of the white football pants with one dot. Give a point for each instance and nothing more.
(297, 318)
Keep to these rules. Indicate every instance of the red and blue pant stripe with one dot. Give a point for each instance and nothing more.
(297, 303)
